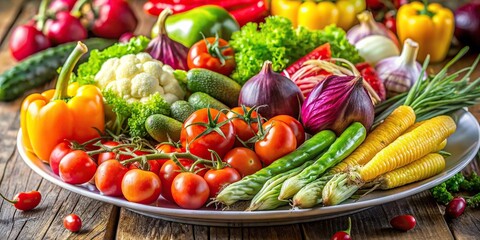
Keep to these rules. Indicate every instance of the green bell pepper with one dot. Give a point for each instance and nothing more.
(187, 27)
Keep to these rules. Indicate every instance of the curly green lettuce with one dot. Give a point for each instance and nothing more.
(276, 40)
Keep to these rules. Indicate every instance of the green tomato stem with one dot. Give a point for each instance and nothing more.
(42, 14)
(8, 200)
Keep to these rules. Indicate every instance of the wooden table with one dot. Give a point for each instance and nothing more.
(102, 220)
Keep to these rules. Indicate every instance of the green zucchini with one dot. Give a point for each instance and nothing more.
(41, 68)
(250, 185)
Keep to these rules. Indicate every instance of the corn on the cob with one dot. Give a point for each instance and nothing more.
(394, 125)
(423, 168)
(409, 147)
(417, 124)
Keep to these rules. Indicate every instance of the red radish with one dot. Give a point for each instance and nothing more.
(115, 17)
(61, 5)
(27, 40)
(403, 222)
(65, 28)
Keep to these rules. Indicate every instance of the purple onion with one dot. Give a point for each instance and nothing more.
(467, 24)
(165, 49)
(335, 103)
(278, 93)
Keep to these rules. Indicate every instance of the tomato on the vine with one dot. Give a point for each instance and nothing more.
(212, 53)
(105, 156)
(278, 140)
(244, 160)
(108, 178)
(190, 190)
(295, 125)
(218, 178)
(167, 148)
(57, 154)
(77, 167)
(141, 186)
(153, 165)
(206, 129)
(170, 170)
(244, 120)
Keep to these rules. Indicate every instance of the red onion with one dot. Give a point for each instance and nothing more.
(165, 49)
(280, 95)
(367, 27)
(338, 101)
(467, 24)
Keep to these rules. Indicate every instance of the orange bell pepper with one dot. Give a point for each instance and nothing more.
(65, 113)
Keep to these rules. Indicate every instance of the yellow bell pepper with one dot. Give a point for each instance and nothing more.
(314, 14)
(430, 25)
(69, 112)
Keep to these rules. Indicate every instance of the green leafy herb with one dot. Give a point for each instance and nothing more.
(276, 40)
(444, 192)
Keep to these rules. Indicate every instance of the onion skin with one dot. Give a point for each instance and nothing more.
(467, 24)
(368, 27)
(336, 103)
(165, 49)
(279, 94)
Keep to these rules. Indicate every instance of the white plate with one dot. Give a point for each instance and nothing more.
(463, 145)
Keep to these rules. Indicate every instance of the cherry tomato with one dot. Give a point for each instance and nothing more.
(390, 21)
(170, 170)
(141, 186)
(105, 156)
(403, 222)
(108, 178)
(278, 141)
(25, 200)
(240, 121)
(72, 222)
(154, 166)
(57, 154)
(295, 125)
(190, 190)
(213, 54)
(244, 160)
(77, 167)
(218, 178)
(456, 207)
(212, 140)
(167, 148)
(341, 236)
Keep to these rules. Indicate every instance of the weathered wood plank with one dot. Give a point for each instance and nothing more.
(374, 223)
(9, 10)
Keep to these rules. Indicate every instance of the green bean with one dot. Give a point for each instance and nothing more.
(246, 188)
(311, 194)
(348, 141)
(267, 197)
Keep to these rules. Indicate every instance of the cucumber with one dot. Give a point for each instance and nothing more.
(161, 127)
(214, 84)
(41, 68)
(180, 110)
(201, 100)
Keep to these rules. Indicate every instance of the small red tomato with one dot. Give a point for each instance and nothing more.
(57, 154)
(295, 125)
(343, 235)
(213, 54)
(108, 178)
(244, 121)
(141, 186)
(190, 190)
(218, 178)
(72, 222)
(25, 200)
(244, 160)
(154, 166)
(170, 170)
(77, 167)
(105, 156)
(278, 141)
(456, 207)
(167, 148)
(403, 222)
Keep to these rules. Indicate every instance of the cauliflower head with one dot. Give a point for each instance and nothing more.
(136, 77)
